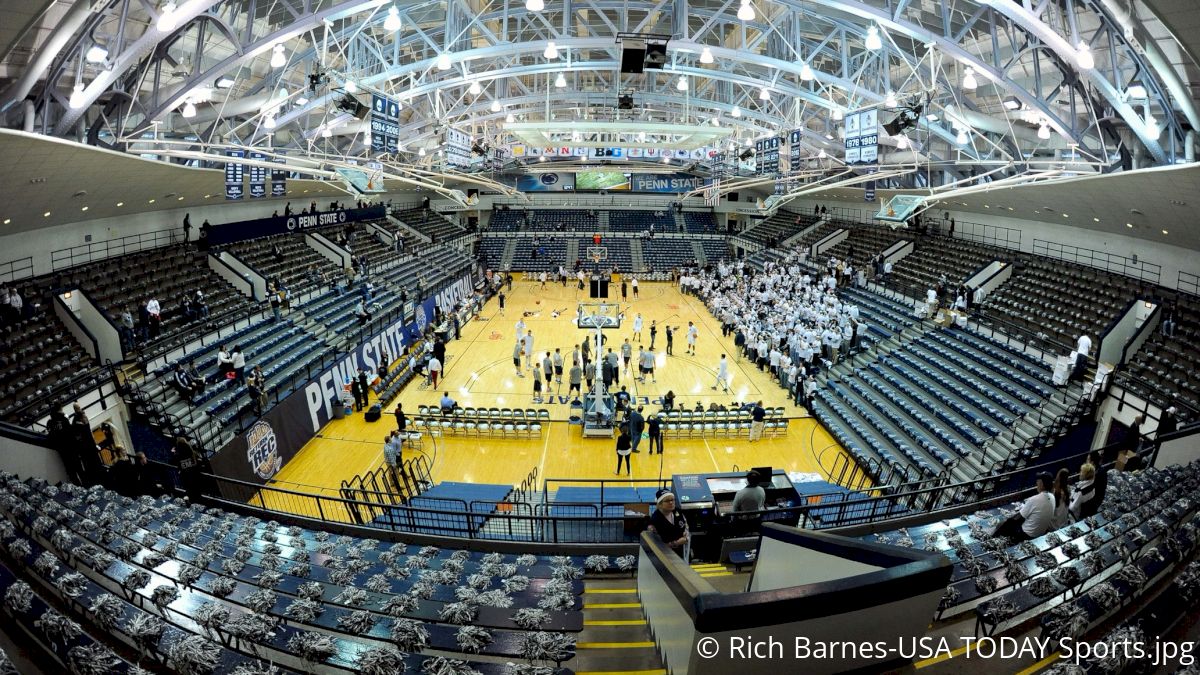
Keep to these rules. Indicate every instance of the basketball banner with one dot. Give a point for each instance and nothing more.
(234, 173)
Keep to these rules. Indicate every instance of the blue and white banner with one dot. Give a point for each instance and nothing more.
(279, 179)
(258, 176)
(862, 137)
(234, 173)
(675, 183)
(449, 297)
(385, 124)
(766, 156)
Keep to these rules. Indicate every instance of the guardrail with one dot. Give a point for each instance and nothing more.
(65, 258)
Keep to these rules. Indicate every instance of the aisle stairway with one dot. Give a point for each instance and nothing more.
(616, 638)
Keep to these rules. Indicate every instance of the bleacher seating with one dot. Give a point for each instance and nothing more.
(1061, 299)
(298, 266)
(865, 242)
(660, 253)
(237, 590)
(936, 256)
(429, 223)
(641, 221)
(771, 232)
(526, 258)
(619, 255)
(38, 355)
(1167, 367)
(544, 220)
(166, 274)
(700, 222)
(715, 250)
(492, 250)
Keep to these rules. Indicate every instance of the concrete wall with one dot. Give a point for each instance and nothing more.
(1112, 344)
(330, 250)
(239, 275)
(988, 279)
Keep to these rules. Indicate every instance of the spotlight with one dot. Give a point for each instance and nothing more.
(1044, 131)
(351, 87)
(968, 82)
(535, 5)
(873, 40)
(392, 22)
(737, 111)
(1012, 103)
(806, 73)
(77, 99)
(475, 89)
(510, 118)
(1084, 57)
(764, 94)
(560, 81)
(682, 84)
(495, 107)
(189, 110)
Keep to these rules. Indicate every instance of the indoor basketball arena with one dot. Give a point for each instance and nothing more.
(553, 337)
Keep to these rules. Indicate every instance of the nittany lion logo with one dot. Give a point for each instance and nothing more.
(422, 320)
(262, 450)
(291, 224)
(549, 178)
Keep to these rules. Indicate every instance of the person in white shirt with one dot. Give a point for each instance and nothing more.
(435, 369)
(633, 283)
(520, 328)
(1036, 514)
(528, 350)
(692, 334)
(637, 324)
(722, 375)
(1083, 347)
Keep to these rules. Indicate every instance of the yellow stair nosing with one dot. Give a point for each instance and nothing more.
(613, 591)
(613, 605)
(654, 671)
(614, 622)
(614, 645)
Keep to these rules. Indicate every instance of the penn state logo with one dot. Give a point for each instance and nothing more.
(341, 216)
(422, 320)
(549, 178)
(262, 450)
(291, 223)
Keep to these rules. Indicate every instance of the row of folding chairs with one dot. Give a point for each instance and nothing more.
(527, 415)
(466, 426)
(718, 415)
(729, 428)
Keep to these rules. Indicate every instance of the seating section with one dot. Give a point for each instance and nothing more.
(936, 402)
(641, 221)
(1167, 367)
(715, 250)
(772, 231)
(660, 253)
(934, 257)
(1073, 578)
(492, 250)
(361, 242)
(526, 255)
(544, 220)
(209, 591)
(167, 274)
(38, 356)
(289, 259)
(700, 222)
(1061, 299)
(864, 243)
(429, 223)
(619, 255)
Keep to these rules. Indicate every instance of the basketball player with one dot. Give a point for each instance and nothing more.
(626, 354)
(634, 283)
(692, 334)
(520, 327)
(637, 321)
(653, 333)
(517, 349)
(670, 341)
(501, 297)
(537, 385)
(722, 375)
(548, 368)
(542, 278)
(558, 367)
(528, 350)
(624, 290)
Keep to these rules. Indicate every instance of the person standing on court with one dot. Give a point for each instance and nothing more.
(558, 367)
(623, 451)
(401, 419)
(722, 375)
(637, 424)
(626, 355)
(575, 379)
(518, 346)
(670, 341)
(654, 431)
(624, 290)
(537, 385)
(501, 297)
(758, 416)
(435, 369)
(548, 369)
(653, 333)
(529, 350)
(692, 334)
(637, 327)
(634, 283)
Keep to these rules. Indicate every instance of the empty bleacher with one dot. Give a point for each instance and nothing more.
(864, 242)
(641, 221)
(297, 265)
(429, 223)
(700, 222)
(771, 232)
(661, 253)
(1166, 369)
(934, 257)
(526, 256)
(619, 255)
(544, 220)
(1062, 300)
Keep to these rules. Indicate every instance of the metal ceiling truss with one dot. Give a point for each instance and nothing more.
(1019, 49)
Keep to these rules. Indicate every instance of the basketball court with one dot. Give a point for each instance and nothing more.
(479, 373)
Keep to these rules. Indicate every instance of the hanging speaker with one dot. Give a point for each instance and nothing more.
(656, 56)
(633, 56)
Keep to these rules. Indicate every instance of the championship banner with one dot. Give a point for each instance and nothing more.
(258, 177)
(385, 124)
(862, 137)
(233, 175)
(279, 179)
(795, 140)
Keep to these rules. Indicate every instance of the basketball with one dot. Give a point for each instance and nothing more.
(538, 302)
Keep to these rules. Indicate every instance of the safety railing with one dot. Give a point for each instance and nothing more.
(64, 258)
(15, 270)
(1109, 262)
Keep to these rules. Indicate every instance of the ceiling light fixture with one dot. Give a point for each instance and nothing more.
(1136, 91)
(535, 5)
(475, 89)
(510, 118)
(736, 112)
(1084, 58)
(961, 139)
(269, 122)
(821, 154)
(351, 87)
(746, 11)
(189, 110)
(302, 100)
(166, 18)
(560, 81)
(838, 115)
(1153, 129)
(96, 54)
(551, 52)
(495, 107)
(77, 100)
(873, 40)
(443, 61)
(764, 94)
(392, 22)
(706, 56)
(901, 142)
(682, 84)
(278, 58)
(890, 100)
(224, 82)
(1012, 103)
(421, 152)
(806, 73)
(1044, 131)
(326, 133)
(969, 82)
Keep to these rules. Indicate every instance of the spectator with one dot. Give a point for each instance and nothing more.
(256, 385)
(1084, 493)
(125, 328)
(1062, 499)
(1100, 483)
(364, 386)
(435, 370)
(758, 416)
(239, 364)
(637, 424)
(183, 382)
(624, 448)
(1035, 515)
(752, 497)
(401, 419)
(448, 404)
(654, 432)
(225, 364)
(669, 524)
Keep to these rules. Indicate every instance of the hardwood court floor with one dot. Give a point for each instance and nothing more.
(479, 372)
